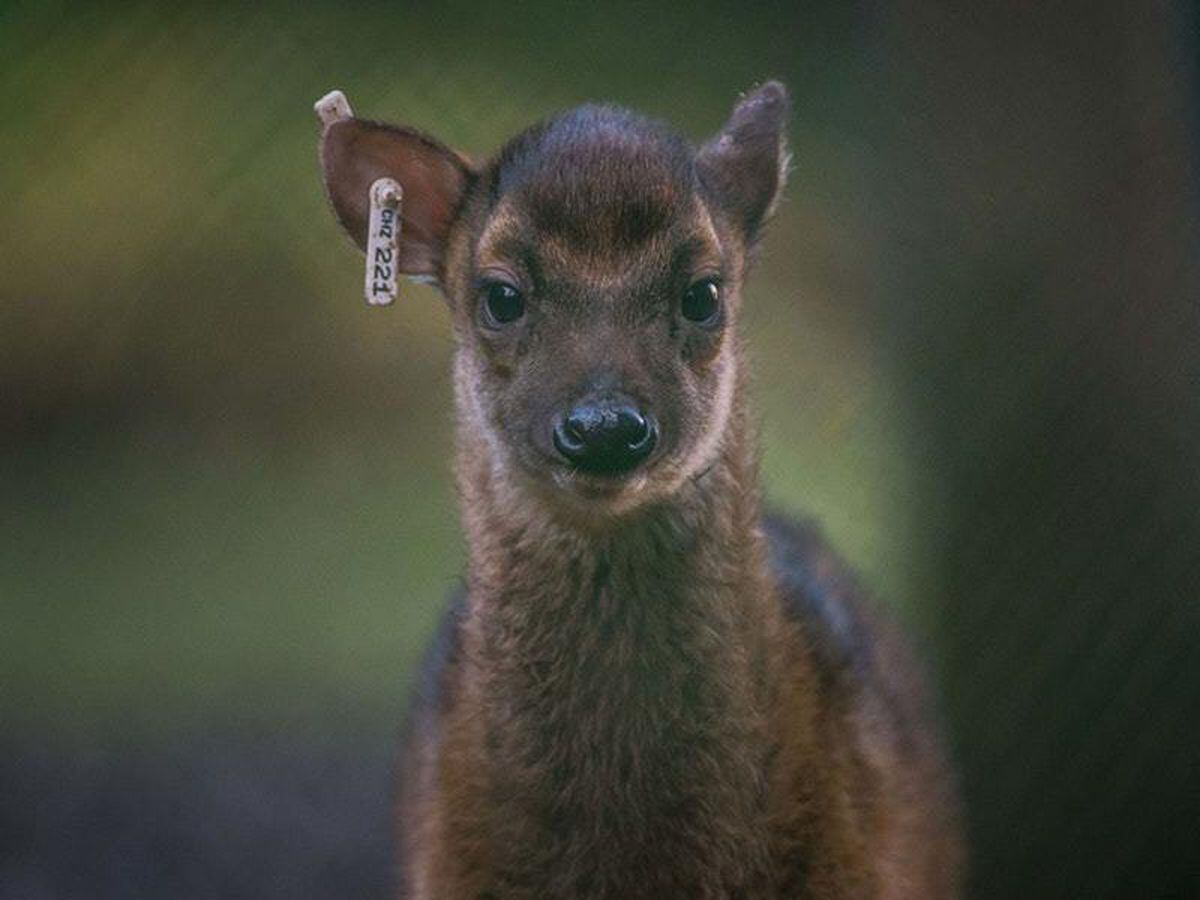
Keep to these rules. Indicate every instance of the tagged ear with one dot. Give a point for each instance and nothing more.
(744, 166)
(433, 178)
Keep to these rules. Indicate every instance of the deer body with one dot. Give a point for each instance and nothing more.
(647, 688)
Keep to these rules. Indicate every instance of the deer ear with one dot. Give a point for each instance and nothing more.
(433, 178)
(744, 167)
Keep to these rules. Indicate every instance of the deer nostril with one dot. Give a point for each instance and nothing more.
(570, 436)
(605, 438)
(639, 433)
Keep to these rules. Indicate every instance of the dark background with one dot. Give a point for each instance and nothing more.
(226, 522)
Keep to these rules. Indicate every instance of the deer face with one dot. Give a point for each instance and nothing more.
(593, 268)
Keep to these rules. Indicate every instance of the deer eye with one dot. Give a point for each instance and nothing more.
(502, 304)
(702, 302)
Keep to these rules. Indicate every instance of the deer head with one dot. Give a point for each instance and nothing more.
(593, 268)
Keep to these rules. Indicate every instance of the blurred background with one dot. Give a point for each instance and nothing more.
(226, 517)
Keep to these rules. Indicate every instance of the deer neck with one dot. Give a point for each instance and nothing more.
(619, 674)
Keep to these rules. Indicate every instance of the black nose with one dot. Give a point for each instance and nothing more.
(605, 438)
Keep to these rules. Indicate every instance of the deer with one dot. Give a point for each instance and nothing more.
(648, 686)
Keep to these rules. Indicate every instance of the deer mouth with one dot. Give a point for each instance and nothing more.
(590, 498)
(596, 486)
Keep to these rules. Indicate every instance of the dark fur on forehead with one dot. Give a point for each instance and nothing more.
(598, 176)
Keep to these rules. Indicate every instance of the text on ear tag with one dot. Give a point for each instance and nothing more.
(383, 242)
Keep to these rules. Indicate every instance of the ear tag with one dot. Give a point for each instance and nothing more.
(383, 242)
(383, 226)
(333, 107)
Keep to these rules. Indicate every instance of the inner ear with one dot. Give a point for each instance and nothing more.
(744, 167)
(434, 179)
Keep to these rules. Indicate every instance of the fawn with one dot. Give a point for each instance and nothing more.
(648, 688)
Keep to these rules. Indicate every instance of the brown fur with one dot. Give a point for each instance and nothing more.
(649, 689)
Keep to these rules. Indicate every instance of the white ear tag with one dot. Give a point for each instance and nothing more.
(333, 107)
(383, 242)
